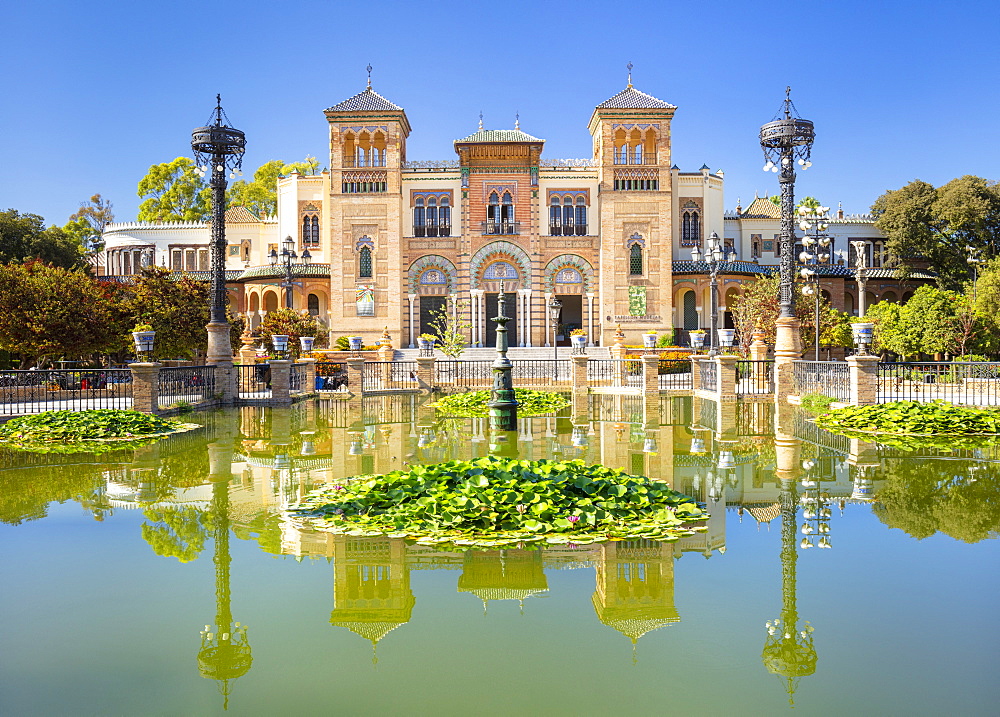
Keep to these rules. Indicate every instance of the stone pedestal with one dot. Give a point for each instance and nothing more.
(864, 379)
(696, 360)
(725, 384)
(787, 348)
(220, 348)
(280, 379)
(355, 370)
(145, 387)
(425, 372)
(579, 377)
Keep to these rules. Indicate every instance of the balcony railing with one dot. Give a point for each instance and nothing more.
(490, 227)
(427, 230)
(644, 160)
(358, 162)
(563, 230)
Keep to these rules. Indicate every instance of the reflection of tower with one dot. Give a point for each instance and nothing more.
(635, 587)
(503, 575)
(371, 587)
(788, 651)
(225, 650)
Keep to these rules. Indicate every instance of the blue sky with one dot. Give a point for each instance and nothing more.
(97, 92)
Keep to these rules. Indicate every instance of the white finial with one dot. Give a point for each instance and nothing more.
(369, 68)
(629, 73)
(517, 120)
(480, 119)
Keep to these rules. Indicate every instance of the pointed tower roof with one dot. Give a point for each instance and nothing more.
(632, 99)
(499, 135)
(367, 101)
(762, 208)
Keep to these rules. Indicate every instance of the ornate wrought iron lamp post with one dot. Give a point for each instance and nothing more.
(715, 256)
(287, 259)
(503, 404)
(814, 222)
(218, 147)
(786, 140)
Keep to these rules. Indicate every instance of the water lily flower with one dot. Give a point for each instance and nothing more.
(521, 507)
(573, 518)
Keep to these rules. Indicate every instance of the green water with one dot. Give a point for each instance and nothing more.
(113, 568)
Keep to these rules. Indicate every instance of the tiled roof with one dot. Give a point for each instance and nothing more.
(367, 101)
(762, 208)
(499, 135)
(632, 99)
(261, 272)
(748, 267)
(240, 215)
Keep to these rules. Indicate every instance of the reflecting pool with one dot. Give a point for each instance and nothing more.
(834, 575)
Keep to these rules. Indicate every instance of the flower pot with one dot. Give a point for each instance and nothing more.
(279, 342)
(306, 343)
(143, 341)
(649, 341)
(863, 333)
(355, 343)
(727, 337)
(578, 341)
(697, 339)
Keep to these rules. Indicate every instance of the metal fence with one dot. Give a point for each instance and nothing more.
(389, 375)
(463, 374)
(753, 377)
(966, 383)
(24, 392)
(674, 373)
(829, 378)
(331, 376)
(541, 372)
(253, 380)
(614, 372)
(185, 384)
(709, 376)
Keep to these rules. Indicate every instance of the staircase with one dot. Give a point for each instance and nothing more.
(515, 353)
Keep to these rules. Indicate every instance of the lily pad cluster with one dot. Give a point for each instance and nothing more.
(499, 502)
(474, 403)
(934, 418)
(58, 431)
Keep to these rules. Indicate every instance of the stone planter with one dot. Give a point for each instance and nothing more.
(355, 342)
(649, 341)
(578, 341)
(143, 341)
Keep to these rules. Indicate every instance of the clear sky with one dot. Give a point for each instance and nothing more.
(96, 92)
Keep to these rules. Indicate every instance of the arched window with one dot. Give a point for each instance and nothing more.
(365, 263)
(690, 311)
(444, 218)
(638, 154)
(432, 216)
(314, 231)
(313, 304)
(419, 218)
(500, 214)
(686, 227)
(695, 227)
(567, 214)
(581, 215)
(635, 260)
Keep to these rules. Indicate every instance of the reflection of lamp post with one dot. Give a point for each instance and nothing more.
(219, 147)
(555, 308)
(714, 255)
(287, 258)
(815, 511)
(814, 222)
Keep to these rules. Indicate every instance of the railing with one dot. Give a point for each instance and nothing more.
(331, 376)
(614, 372)
(541, 372)
(674, 373)
(641, 160)
(24, 392)
(389, 375)
(253, 380)
(966, 383)
(755, 377)
(501, 227)
(829, 378)
(296, 375)
(432, 230)
(466, 374)
(567, 230)
(185, 384)
(361, 162)
(709, 376)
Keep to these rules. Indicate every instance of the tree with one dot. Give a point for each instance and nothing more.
(986, 300)
(260, 195)
(451, 328)
(293, 324)
(941, 224)
(173, 192)
(176, 308)
(23, 237)
(810, 202)
(86, 225)
(48, 312)
(933, 321)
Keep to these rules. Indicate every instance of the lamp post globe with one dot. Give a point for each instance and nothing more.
(218, 148)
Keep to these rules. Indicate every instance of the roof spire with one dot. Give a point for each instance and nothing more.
(788, 102)
(369, 68)
(517, 120)
(480, 119)
(629, 73)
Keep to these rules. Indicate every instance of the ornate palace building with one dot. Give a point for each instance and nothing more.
(392, 240)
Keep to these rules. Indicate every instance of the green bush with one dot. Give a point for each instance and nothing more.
(816, 402)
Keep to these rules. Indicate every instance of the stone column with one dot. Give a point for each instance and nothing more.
(355, 369)
(650, 374)
(308, 374)
(864, 379)
(546, 322)
(725, 367)
(145, 387)
(280, 375)
(527, 317)
(579, 367)
(590, 318)
(787, 348)
(413, 330)
(425, 372)
(696, 360)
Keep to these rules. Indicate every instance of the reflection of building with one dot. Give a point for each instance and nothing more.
(635, 587)
(502, 575)
(371, 586)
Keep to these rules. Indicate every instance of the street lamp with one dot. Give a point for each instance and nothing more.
(785, 140)
(974, 258)
(814, 222)
(555, 309)
(860, 274)
(287, 258)
(715, 256)
(218, 147)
